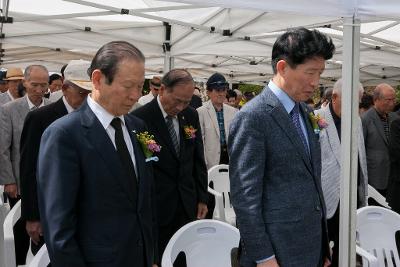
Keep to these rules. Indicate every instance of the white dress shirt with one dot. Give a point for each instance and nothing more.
(146, 99)
(105, 119)
(67, 106)
(31, 105)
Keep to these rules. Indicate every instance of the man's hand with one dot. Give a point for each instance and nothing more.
(11, 190)
(269, 263)
(327, 262)
(155, 265)
(34, 230)
(201, 211)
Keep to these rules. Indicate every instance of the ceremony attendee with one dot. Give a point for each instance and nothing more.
(239, 98)
(366, 103)
(231, 98)
(330, 139)
(181, 173)
(154, 86)
(376, 125)
(95, 189)
(55, 82)
(215, 118)
(12, 116)
(196, 101)
(393, 194)
(275, 160)
(75, 89)
(13, 78)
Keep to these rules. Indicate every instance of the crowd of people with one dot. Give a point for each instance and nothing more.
(106, 176)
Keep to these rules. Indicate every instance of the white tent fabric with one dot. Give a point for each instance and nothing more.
(52, 32)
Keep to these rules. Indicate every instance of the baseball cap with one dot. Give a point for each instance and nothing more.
(216, 81)
(76, 73)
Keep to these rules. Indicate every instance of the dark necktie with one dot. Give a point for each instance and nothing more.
(172, 133)
(124, 154)
(294, 114)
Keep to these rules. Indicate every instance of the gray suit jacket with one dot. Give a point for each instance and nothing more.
(276, 186)
(4, 98)
(377, 148)
(12, 116)
(330, 157)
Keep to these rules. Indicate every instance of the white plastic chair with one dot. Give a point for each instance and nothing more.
(41, 258)
(381, 200)
(4, 209)
(206, 243)
(376, 229)
(219, 176)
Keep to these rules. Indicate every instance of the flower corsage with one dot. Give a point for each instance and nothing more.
(190, 132)
(149, 146)
(318, 123)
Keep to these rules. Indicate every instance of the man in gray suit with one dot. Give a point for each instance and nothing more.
(275, 166)
(12, 116)
(376, 123)
(330, 157)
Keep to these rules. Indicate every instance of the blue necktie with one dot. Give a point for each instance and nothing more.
(295, 115)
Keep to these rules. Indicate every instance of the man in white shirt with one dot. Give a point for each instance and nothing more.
(155, 84)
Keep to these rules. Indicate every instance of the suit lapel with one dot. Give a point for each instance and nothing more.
(282, 118)
(96, 134)
(379, 126)
(213, 117)
(139, 158)
(162, 128)
(332, 134)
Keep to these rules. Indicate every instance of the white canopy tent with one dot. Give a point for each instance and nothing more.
(233, 37)
(234, 41)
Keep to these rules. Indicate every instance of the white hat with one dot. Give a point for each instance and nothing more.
(76, 73)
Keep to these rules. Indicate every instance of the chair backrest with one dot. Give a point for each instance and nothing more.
(219, 176)
(381, 200)
(9, 246)
(376, 229)
(41, 258)
(204, 242)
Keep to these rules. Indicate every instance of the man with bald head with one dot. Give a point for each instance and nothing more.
(376, 123)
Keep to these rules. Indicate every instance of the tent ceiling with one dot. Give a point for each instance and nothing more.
(236, 42)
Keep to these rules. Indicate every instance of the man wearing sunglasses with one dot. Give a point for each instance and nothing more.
(155, 84)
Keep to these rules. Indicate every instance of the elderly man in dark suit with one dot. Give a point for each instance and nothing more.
(75, 89)
(180, 174)
(95, 188)
(376, 126)
(275, 167)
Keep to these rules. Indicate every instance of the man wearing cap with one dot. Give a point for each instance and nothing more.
(215, 118)
(155, 84)
(12, 116)
(75, 89)
(13, 78)
(95, 188)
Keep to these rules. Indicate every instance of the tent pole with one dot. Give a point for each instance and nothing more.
(349, 144)
(168, 60)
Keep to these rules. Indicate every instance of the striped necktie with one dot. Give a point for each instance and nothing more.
(172, 133)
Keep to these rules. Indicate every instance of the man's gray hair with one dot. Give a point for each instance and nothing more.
(337, 87)
(28, 70)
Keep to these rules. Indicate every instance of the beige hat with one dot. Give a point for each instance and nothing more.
(76, 73)
(14, 74)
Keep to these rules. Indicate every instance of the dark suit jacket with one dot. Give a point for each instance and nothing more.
(35, 123)
(276, 186)
(196, 102)
(88, 212)
(377, 148)
(393, 194)
(176, 179)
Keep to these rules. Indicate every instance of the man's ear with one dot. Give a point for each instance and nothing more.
(97, 79)
(162, 89)
(281, 67)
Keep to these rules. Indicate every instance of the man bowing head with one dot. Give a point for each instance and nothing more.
(275, 168)
(95, 188)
